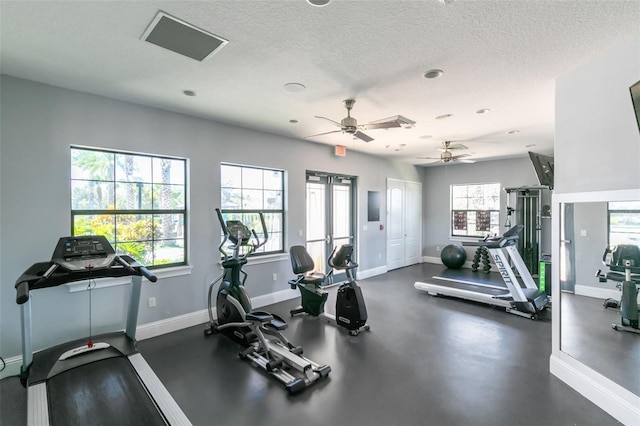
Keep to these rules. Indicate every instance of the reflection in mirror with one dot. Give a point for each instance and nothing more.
(591, 290)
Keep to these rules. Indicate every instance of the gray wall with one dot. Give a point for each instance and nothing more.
(514, 172)
(40, 122)
(597, 146)
(590, 230)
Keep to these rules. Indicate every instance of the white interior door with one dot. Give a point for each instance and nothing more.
(404, 223)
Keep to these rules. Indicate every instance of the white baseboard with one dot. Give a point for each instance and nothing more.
(432, 259)
(368, 273)
(617, 401)
(169, 325)
(597, 292)
(12, 366)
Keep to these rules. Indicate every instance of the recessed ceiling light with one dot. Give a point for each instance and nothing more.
(294, 87)
(189, 92)
(513, 132)
(293, 121)
(435, 73)
(443, 116)
(425, 136)
(318, 3)
(482, 111)
(446, 1)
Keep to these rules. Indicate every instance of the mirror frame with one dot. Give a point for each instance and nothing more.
(616, 400)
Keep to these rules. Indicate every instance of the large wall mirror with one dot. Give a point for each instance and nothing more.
(587, 226)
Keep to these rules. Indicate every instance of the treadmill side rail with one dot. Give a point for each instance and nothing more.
(165, 402)
(38, 406)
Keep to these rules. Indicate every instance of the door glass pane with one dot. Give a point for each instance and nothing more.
(341, 211)
(317, 252)
(316, 229)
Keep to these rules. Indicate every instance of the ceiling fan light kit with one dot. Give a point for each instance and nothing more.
(349, 125)
(446, 156)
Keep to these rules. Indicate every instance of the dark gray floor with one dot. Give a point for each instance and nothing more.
(587, 336)
(426, 361)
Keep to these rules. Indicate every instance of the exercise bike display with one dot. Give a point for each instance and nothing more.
(623, 262)
(351, 312)
(258, 331)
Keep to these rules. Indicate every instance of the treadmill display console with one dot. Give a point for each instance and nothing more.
(83, 252)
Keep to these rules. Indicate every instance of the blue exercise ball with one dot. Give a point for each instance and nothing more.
(453, 256)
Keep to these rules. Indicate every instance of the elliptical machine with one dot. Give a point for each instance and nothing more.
(351, 312)
(235, 318)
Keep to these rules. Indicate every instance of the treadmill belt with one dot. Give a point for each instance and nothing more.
(492, 279)
(105, 393)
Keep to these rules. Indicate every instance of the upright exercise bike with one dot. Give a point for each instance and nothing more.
(351, 312)
(258, 331)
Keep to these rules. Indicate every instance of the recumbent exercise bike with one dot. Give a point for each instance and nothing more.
(258, 331)
(623, 262)
(351, 312)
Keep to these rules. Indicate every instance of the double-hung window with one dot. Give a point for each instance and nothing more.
(475, 210)
(246, 191)
(624, 222)
(137, 201)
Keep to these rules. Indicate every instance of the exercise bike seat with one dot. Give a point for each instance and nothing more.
(303, 265)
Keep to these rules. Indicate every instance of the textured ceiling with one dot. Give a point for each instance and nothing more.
(502, 55)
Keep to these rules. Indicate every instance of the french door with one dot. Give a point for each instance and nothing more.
(330, 217)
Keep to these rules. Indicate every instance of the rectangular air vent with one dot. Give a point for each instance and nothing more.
(183, 38)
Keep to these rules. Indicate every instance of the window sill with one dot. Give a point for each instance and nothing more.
(175, 271)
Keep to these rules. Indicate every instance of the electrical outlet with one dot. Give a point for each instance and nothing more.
(275, 277)
(152, 302)
(438, 248)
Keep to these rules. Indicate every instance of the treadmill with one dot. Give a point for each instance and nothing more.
(102, 380)
(523, 299)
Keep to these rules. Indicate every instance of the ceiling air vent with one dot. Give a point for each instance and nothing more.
(183, 38)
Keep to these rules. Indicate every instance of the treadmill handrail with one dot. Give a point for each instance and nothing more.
(37, 277)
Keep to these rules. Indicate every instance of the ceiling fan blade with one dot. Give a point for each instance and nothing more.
(454, 146)
(362, 136)
(455, 157)
(387, 125)
(428, 158)
(330, 120)
(325, 133)
(466, 161)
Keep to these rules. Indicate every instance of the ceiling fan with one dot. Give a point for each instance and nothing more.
(350, 124)
(446, 156)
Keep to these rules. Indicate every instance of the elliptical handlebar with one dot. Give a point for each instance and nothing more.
(242, 239)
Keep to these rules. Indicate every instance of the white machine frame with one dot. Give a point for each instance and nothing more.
(514, 294)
